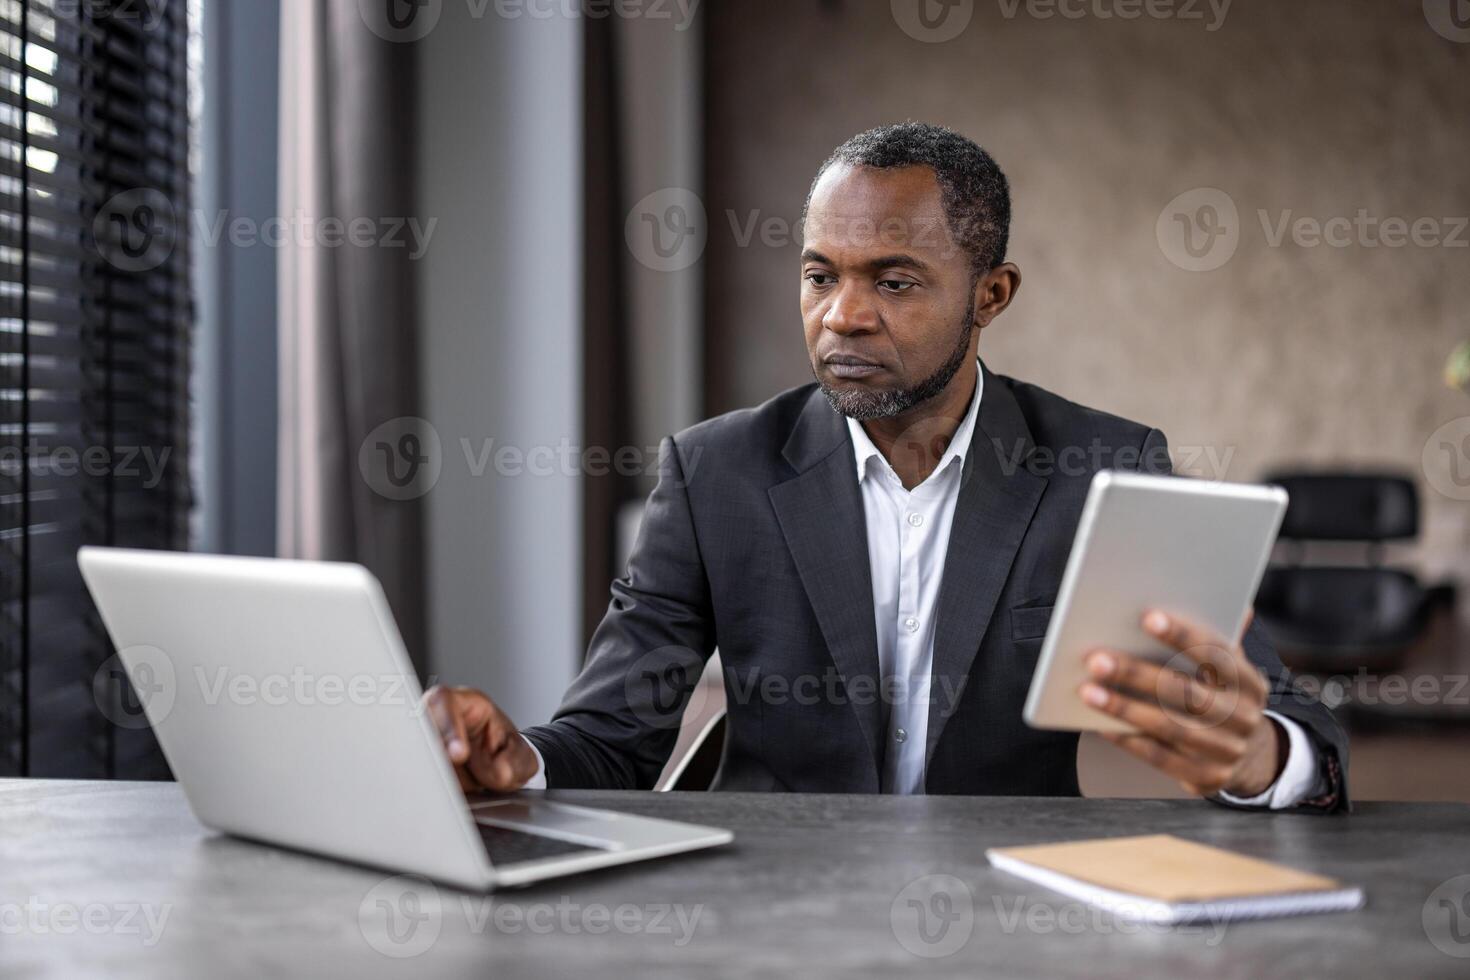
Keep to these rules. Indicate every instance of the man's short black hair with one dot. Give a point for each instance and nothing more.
(976, 195)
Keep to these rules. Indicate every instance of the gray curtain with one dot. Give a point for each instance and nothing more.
(347, 353)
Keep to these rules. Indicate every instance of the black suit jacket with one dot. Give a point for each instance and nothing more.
(754, 541)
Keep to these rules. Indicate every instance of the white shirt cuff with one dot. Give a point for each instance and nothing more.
(1298, 779)
(537, 781)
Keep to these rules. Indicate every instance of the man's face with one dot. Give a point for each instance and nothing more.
(887, 295)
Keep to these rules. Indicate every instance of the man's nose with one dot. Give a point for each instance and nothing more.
(852, 311)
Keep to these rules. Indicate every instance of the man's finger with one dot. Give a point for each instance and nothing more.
(1179, 632)
(467, 783)
(1204, 778)
(1210, 742)
(1173, 688)
(451, 727)
(497, 731)
(1225, 665)
(505, 770)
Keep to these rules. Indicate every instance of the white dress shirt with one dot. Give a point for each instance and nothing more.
(908, 539)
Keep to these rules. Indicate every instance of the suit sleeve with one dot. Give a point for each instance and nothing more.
(619, 720)
(1286, 697)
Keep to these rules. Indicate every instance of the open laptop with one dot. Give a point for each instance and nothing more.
(284, 700)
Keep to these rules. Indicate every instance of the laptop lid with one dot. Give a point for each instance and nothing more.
(285, 702)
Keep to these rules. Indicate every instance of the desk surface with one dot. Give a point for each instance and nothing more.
(118, 879)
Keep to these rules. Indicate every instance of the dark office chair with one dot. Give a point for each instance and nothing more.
(1336, 618)
(701, 763)
(700, 745)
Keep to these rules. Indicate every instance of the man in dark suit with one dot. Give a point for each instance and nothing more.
(876, 555)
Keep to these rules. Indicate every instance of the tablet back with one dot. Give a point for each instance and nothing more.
(1192, 548)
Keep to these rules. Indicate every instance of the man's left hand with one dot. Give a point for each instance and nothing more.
(1199, 717)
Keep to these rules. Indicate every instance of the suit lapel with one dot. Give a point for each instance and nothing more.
(997, 498)
(820, 511)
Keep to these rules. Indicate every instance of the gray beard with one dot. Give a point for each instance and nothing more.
(863, 405)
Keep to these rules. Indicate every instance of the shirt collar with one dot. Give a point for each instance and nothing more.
(864, 449)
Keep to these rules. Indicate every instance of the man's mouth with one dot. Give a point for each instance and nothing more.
(851, 367)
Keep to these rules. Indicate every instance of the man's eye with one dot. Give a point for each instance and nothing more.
(896, 285)
(819, 278)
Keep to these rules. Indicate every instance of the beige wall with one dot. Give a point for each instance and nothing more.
(1283, 354)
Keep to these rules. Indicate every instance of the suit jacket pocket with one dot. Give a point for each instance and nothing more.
(1029, 622)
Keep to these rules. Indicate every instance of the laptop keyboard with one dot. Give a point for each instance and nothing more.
(506, 846)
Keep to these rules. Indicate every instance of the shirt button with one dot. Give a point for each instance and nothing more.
(916, 520)
(911, 624)
(900, 735)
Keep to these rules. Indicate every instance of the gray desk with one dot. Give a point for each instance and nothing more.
(813, 885)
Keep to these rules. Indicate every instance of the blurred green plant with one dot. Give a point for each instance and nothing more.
(1457, 368)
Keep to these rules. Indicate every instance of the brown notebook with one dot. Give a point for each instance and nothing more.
(1163, 878)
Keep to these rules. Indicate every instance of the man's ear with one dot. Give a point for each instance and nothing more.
(994, 292)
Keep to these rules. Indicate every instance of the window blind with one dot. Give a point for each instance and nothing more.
(95, 322)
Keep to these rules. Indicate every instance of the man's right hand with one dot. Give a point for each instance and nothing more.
(487, 751)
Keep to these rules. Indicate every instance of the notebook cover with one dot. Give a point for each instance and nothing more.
(1168, 869)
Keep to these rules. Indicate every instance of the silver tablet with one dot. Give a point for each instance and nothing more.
(1193, 548)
